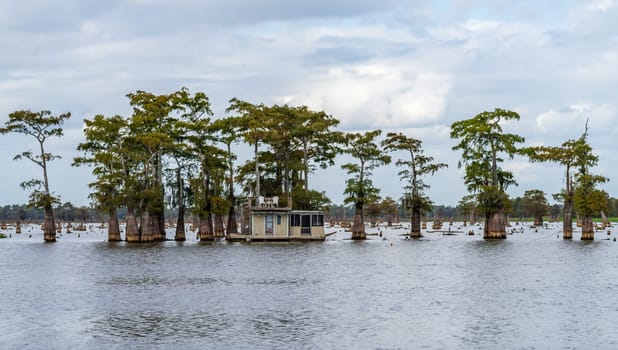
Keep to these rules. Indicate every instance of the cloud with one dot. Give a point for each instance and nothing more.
(376, 95)
(397, 65)
(572, 119)
(601, 5)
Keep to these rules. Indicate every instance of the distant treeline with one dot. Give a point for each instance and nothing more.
(518, 210)
(66, 212)
(69, 213)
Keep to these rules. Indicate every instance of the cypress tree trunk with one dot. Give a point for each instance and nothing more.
(495, 225)
(132, 231)
(358, 227)
(180, 224)
(49, 232)
(567, 223)
(538, 220)
(416, 223)
(587, 228)
(232, 227)
(146, 229)
(195, 222)
(219, 230)
(113, 230)
(205, 231)
(159, 227)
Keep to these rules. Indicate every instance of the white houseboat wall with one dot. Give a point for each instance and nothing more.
(266, 221)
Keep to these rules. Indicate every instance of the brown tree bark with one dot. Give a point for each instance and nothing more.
(131, 230)
(567, 223)
(49, 231)
(587, 228)
(145, 227)
(232, 227)
(180, 221)
(495, 227)
(180, 224)
(538, 220)
(416, 223)
(219, 231)
(205, 230)
(358, 227)
(113, 229)
(158, 221)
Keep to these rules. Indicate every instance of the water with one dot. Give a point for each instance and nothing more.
(531, 291)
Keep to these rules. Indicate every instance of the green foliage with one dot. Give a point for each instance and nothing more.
(219, 205)
(572, 154)
(289, 143)
(589, 200)
(417, 166)
(362, 147)
(41, 126)
(373, 210)
(389, 206)
(421, 203)
(38, 197)
(357, 192)
(482, 141)
(308, 199)
(466, 205)
(105, 152)
(491, 199)
(535, 203)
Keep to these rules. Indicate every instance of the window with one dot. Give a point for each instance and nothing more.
(268, 224)
(295, 220)
(278, 219)
(317, 220)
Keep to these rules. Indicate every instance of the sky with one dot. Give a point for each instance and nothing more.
(396, 65)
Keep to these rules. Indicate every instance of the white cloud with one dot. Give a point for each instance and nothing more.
(601, 5)
(377, 95)
(572, 119)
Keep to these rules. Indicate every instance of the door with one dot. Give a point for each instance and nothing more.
(268, 225)
(305, 224)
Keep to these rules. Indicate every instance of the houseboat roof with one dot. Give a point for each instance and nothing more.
(284, 210)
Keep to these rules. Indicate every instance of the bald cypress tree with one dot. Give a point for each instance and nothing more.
(359, 188)
(41, 126)
(415, 167)
(483, 142)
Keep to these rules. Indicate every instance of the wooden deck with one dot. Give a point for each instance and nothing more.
(238, 237)
(272, 209)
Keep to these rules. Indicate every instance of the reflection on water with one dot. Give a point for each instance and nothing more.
(531, 291)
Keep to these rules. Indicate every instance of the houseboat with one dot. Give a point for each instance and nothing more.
(263, 219)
